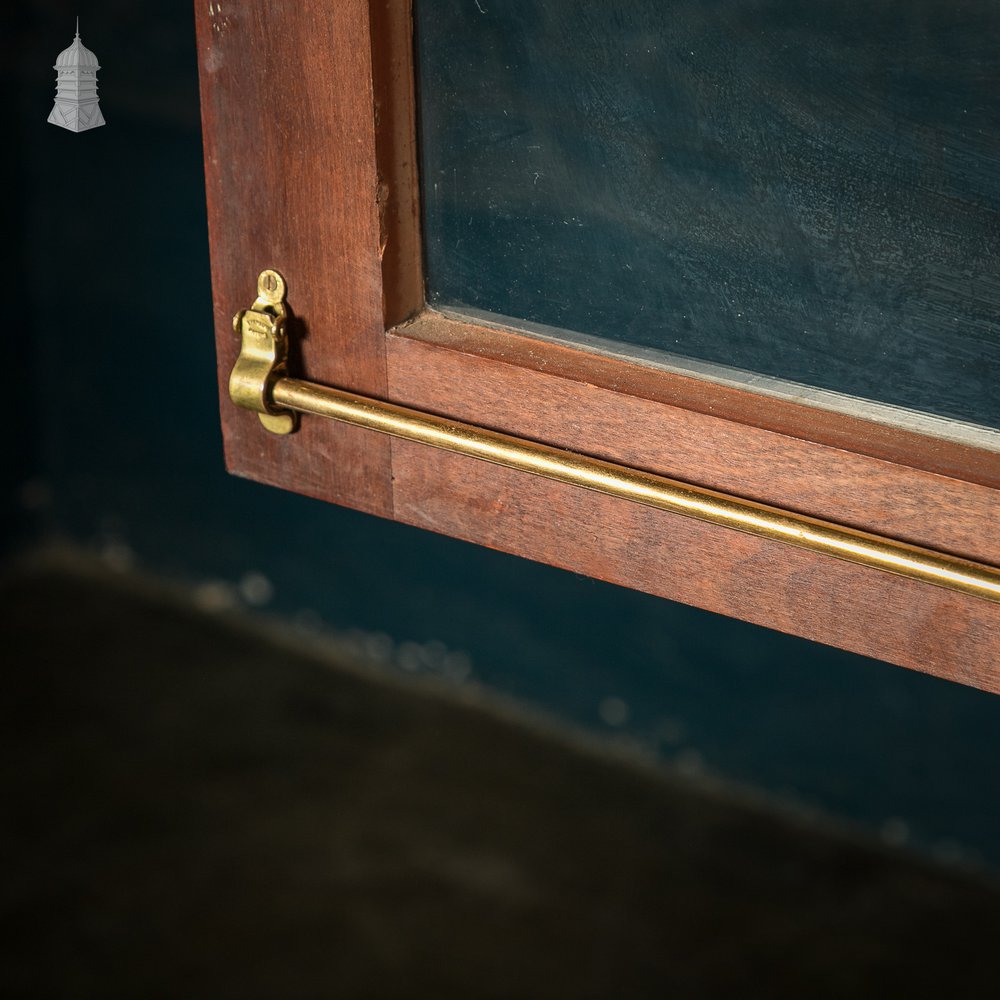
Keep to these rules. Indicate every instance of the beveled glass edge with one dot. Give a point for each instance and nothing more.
(929, 424)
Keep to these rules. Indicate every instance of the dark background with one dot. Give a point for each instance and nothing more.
(117, 447)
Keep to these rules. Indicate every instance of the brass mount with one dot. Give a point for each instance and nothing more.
(263, 358)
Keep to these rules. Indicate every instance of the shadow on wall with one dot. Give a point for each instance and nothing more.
(125, 455)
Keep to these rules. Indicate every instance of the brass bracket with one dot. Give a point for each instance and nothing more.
(263, 354)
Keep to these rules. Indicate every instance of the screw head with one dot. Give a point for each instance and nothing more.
(271, 286)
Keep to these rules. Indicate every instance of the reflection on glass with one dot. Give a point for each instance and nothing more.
(809, 192)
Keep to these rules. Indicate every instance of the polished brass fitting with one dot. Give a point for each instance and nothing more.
(263, 358)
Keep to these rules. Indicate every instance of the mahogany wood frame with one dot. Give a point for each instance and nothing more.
(310, 156)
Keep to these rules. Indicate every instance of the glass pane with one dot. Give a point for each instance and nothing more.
(779, 191)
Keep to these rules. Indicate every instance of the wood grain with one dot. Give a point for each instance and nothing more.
(819, 598)
(396, 152)
(524, 388)
(288, 121)
(786, 417)
(433, 366)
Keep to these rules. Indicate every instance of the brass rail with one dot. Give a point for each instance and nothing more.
(259, 382)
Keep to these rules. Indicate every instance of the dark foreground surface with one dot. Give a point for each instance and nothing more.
(192, 811)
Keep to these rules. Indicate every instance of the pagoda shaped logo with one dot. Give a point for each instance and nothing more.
(77, 105)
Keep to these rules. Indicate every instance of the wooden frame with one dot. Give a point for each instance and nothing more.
(310, 153)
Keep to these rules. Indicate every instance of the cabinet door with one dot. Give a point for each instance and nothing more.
(310, 122)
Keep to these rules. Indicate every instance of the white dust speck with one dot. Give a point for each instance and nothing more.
(118, 555)
(613, 711)
(378, 647)
(690, 763)
(215, 596)
(256, 589)
(456, 666)
(409, 656)
(894, 832)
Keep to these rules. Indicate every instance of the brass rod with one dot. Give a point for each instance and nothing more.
(626, 483)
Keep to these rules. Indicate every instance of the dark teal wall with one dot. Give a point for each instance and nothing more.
(116, 308)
